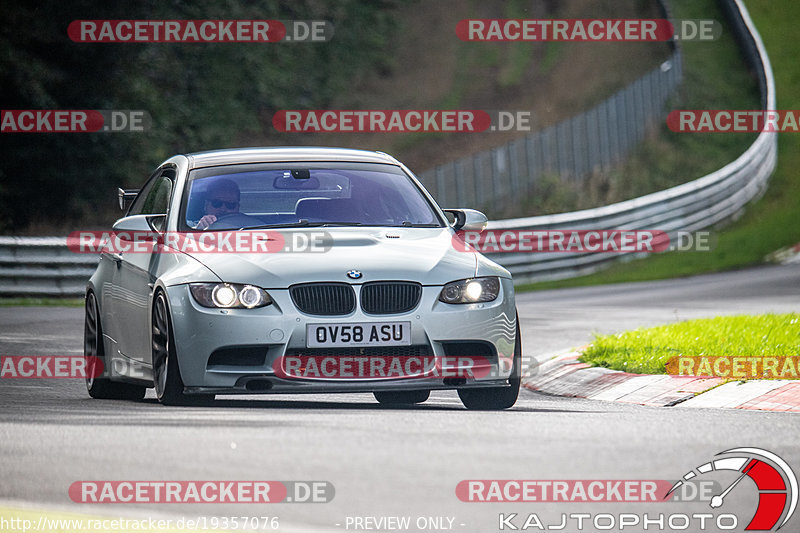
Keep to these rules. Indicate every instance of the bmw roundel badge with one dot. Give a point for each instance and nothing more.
(354, 274)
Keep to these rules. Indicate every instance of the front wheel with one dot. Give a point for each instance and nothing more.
(166, 372)
(100, 387)
(497, 398)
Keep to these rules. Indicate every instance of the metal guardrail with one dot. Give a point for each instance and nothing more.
(45, 266)
(572, 150)
(699, 204)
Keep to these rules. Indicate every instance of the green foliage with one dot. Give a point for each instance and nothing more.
(553, 49)
(715, 77)
(768, 224)
(200, 96)
(647, 350)
(41, 302)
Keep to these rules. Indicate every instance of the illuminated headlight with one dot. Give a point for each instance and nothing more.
(229, 295)
(468, 291)
(223, 296)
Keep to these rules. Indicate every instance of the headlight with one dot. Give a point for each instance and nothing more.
(229, 295)
(468, 291)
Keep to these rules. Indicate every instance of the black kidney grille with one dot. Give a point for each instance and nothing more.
(388, 297)
(324, 298)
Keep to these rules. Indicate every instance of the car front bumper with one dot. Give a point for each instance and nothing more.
(280, 329)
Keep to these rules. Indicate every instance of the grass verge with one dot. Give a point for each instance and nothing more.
(44, 302)
(646, 350)
(715, 77)
(770, 223)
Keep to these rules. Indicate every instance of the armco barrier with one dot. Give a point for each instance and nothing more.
(44, 265)
(595, 140)
(698, 204)
(572, 150)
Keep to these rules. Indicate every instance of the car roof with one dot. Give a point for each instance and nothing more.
(285, 153)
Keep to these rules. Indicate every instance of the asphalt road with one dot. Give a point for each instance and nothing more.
(398, 462)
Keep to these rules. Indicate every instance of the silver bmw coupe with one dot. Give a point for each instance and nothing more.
(294, 270)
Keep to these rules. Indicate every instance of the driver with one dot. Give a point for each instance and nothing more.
(222, 199)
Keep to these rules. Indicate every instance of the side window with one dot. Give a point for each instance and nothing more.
(157, 199)
(154, 198)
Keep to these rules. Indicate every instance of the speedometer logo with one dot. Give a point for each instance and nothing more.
(774, 479)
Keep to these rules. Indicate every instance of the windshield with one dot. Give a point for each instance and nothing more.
(304, 194)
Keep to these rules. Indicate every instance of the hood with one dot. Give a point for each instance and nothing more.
(425, 255)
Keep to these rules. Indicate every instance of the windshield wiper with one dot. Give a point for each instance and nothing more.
(407, 224)
(303, 223)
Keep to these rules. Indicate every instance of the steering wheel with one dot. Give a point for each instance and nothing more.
(235, 221)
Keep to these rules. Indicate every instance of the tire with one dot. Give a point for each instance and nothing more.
(497, 398)
(101, 388)
(402, 397)
(166, 372)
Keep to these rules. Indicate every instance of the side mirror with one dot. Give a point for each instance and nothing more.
(140, 224)
(468, 219)
(157, 222)
(126, 197)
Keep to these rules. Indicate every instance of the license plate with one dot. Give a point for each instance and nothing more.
(369, 334)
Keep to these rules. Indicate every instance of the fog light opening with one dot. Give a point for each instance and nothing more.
(258, 385)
